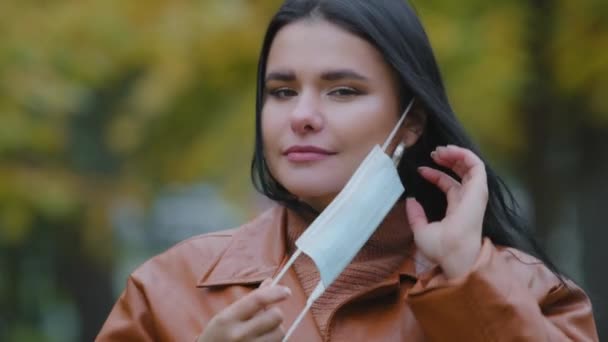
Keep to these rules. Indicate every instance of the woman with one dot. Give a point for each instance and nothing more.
(333, 78)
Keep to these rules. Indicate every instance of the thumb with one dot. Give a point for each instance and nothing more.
(416, 216)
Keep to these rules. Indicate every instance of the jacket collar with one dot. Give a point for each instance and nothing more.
(257, 252)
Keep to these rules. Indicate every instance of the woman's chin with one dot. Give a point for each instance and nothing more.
(316, 196)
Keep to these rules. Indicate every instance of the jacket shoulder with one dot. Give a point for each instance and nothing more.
(188, 259)
(191, 259)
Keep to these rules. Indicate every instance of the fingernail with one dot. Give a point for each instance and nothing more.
(287, 290)
(433, 155)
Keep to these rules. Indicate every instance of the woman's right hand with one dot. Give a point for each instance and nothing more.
(250, 318)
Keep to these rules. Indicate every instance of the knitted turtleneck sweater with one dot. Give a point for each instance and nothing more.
(379, 258)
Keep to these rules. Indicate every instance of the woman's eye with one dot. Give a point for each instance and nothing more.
(345, 92)
(282, 93)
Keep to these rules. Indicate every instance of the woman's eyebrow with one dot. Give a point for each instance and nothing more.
(340, 74)
(332, 75)
(285, 76)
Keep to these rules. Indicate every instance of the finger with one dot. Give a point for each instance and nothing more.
(274, 336)
(442, 180)
(248, 306)
(451, 158)
(470, 168)
(416, 216)
(460, 160)
(263, 323)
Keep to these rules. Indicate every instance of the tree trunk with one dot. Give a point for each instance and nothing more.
(85, 279)
(593, 190)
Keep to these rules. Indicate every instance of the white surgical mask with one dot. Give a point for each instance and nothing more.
(338, 233)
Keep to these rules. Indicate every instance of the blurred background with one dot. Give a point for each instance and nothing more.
(126, 126)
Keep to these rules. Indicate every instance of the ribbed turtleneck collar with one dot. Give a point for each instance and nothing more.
(378, 260)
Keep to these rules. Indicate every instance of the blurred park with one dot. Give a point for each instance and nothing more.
(127, 126)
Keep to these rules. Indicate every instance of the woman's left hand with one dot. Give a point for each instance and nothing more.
(455, 241)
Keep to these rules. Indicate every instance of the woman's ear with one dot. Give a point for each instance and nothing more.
(413, 126)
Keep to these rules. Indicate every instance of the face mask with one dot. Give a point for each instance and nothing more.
(338, 233)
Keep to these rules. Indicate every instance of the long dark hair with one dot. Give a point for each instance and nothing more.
(393, 27)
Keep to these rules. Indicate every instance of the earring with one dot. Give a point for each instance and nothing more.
(398, 154)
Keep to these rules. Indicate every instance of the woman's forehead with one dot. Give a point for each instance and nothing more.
(318, 46)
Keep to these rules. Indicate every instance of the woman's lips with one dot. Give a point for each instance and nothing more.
(306, 156)
(307, 153)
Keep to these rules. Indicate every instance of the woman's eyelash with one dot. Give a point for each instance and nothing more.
(282, 92)
(345, 91)
(339, 92)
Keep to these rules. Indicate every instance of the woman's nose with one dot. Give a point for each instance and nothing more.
(306, 116)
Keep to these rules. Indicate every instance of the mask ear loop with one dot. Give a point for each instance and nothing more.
(293, 258)
(316, 293)
(396, 128)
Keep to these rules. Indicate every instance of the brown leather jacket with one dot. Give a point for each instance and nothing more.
(508, 296)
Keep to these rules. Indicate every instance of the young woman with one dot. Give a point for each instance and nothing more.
(452, 262)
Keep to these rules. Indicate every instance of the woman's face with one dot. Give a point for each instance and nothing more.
(329, 98)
